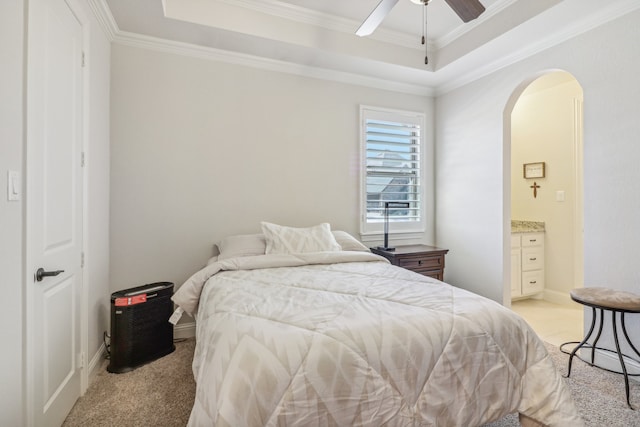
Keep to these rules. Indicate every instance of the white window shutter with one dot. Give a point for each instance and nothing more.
(393, 168)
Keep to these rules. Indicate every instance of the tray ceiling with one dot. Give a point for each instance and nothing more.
(320, 34)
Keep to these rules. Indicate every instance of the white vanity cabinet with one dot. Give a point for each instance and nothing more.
(527, 264)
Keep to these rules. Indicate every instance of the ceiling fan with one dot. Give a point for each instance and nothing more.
(467, 10)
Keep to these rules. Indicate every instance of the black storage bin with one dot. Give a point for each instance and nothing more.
(140, 328)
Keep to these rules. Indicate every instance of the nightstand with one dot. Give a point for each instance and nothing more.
(423, 259)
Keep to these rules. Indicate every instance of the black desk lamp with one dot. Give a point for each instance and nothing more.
(386, 222)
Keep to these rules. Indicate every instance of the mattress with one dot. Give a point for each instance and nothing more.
(346, 339)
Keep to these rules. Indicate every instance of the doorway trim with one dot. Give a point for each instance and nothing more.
(578, 207)
(578, 153)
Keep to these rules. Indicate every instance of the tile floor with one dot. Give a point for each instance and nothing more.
(554, 323)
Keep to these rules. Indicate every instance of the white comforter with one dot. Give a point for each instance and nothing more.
(347, 339)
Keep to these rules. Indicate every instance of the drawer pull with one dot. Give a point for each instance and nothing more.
(533, 240)
(532, 259)
(533, 282)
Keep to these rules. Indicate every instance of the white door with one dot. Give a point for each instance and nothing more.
(54, 210)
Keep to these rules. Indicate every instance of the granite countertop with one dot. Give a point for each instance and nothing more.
(526, 226)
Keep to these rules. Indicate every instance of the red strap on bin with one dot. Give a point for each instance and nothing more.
(138, 299)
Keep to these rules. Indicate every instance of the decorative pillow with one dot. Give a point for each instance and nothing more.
(290, 240)
(347, 242)
(242, 245)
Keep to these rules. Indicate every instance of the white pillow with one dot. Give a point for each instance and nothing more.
(291, 240)
(255, 244)
(242, 245)
(347, 242)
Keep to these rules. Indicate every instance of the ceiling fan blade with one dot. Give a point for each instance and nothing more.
(376, 17)
(467, 10)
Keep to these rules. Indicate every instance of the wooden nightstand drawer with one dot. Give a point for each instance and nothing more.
(436, 274)
(422, 262)
(422, 259)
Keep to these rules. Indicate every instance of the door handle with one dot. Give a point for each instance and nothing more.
(40, 273)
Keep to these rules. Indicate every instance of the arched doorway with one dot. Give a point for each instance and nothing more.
(543, 127)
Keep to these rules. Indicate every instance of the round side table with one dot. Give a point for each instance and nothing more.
(615, 301)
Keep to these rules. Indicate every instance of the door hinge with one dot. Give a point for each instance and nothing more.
(83, 60)
(82, 160)
(82, 260)
(81, 361)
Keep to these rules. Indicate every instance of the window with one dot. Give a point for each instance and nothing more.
(392, 169)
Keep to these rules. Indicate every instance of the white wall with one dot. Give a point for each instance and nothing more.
(11, 213)
(203, 149)
(472, 178)
(12, 121)
(543, 127)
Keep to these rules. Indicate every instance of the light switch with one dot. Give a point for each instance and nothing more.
(559, 196)
(13, 186)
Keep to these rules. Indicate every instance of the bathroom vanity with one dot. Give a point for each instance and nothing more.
(527, 258)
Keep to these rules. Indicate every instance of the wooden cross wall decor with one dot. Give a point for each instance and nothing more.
(535, 189)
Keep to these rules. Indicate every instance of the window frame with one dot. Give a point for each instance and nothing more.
(372, 230)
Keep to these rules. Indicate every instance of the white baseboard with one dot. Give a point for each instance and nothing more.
(184, 330)
(96, 363)
(610, 361)
(560, 298)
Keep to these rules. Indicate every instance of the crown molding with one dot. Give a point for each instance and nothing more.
(213, 54)
(105, 18)
(103, 15)
(345, 25)
(606, 14)
(110, 27)
(326, 21)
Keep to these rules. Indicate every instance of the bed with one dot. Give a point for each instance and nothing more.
(297, 336)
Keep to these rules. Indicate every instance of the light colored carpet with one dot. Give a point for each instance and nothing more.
(161, 393)
(599, 395)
